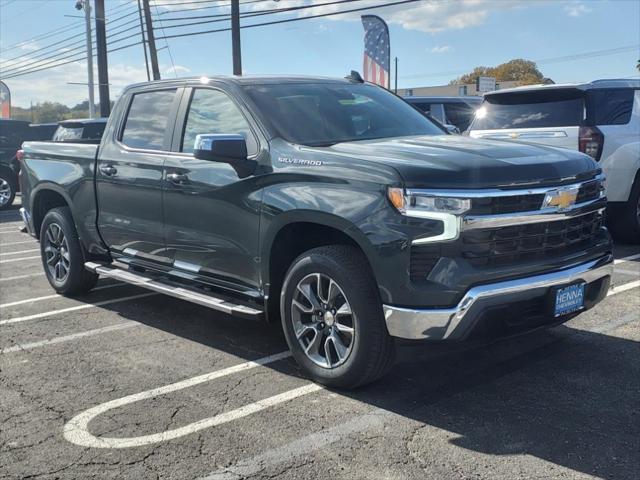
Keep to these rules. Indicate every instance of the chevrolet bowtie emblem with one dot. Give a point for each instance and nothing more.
(561, 199)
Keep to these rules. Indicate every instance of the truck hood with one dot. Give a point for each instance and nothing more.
(452, 161)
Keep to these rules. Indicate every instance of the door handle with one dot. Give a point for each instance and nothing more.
(108, 170)
(178, 178)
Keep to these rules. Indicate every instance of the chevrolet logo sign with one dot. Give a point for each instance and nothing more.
(561, 199)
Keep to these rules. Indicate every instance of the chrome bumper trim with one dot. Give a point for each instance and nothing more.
(452, 323)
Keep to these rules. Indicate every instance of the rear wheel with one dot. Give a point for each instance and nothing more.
(62, 256)
(332, 318)
(625, 221)
(8, 187)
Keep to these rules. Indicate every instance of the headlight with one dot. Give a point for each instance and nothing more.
(447, 210)
(415, 205)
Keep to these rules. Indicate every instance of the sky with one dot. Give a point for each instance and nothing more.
(434, 40)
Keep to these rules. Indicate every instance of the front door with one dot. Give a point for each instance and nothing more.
(129, 177)
(211, 214)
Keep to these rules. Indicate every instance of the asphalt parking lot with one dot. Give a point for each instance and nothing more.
(123, 383)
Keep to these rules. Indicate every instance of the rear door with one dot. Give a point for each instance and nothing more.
(546, 116)
(129, 176)
(211, 212)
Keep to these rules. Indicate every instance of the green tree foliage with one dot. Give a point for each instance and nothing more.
(523, 71)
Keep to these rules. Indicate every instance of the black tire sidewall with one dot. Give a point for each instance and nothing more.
(368, 319)
(9, 176)
(78, 278)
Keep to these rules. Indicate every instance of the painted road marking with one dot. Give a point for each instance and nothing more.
(20, 277)
(21, 251)
(56, 295)
(76, 308)
(33, 240)
(76, 430)
(623, 288)
(628, 272)
(626, 259)
(68, 338)
(20, 259)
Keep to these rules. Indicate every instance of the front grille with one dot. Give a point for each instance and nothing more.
(589, 191)
(506, 245)
(423, 259)
(507, 204)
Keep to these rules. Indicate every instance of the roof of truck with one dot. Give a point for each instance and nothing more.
(607, 83)
(248, 80)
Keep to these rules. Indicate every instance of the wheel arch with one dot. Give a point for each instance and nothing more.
(295, 233)
(45, 198)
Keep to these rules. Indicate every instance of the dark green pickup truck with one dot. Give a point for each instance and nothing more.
(331, 205)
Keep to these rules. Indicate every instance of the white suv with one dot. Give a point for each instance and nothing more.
(601, 119)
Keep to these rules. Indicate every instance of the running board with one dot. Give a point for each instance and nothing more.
(149, 283)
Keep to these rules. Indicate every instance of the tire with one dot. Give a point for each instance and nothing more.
(8, 187)
(62, 254)
(625, 221)
(370, 350)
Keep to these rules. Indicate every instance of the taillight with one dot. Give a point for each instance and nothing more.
(20, 155)
(591, 141)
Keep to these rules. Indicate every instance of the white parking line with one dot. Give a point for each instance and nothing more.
(33, 240)
(623, 288)
(20, 277)
(623, 271)
(11, 260)
(630, 258)
(11, 230)
(76, 430)
(68, 338)
(17, 253)
(76, 308)
(56, 295)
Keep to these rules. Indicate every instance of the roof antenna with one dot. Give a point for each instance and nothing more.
(354, 76)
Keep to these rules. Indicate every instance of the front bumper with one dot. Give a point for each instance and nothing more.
(480, 302)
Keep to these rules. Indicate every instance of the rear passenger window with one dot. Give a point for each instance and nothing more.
(610, 107)
(211, 112)
(147, 121)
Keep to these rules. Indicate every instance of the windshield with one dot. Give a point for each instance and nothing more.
(327, 113)
(546, 108)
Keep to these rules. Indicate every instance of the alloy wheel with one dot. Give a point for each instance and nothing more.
(56, 252)
(322, 320)
(5, 192)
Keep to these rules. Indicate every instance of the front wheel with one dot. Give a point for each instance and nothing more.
(332, 318)
(62, 256)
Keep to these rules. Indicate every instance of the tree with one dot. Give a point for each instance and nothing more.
(523, 71)
(47, 112)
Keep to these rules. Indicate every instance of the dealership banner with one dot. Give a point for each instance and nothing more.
(5, 101)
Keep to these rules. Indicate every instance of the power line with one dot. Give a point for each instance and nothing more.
(211, 7)
(166, 42)
(297, 19)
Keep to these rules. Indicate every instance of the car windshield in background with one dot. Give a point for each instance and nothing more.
(319, 114)
(551, 108)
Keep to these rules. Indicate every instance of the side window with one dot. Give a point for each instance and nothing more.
(610, 107)
(459, 114)
(210, 112)
(425, 107)
(147, 120)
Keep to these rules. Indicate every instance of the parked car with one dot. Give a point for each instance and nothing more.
(42, 131)
(601, 119)
(85, 130)
(331, 205)
(456, 111)
(12, 134)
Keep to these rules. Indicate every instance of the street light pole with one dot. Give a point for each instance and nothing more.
(86, 5)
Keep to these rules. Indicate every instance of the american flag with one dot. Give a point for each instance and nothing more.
(377, 57)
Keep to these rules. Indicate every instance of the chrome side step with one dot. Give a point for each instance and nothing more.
(149, 283)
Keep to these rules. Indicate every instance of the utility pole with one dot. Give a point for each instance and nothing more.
(395, 90)
(235, 37)
(103, 67)
(144, 41)
(86, 5)
(153, 53)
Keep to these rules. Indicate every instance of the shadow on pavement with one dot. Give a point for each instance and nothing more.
(566, 396)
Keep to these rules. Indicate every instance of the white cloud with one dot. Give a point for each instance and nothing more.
(577, 9)
(428, 16)
(442, 49)
(177, 70)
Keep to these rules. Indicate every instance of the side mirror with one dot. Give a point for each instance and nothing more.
(452, 129)
(231, 148)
